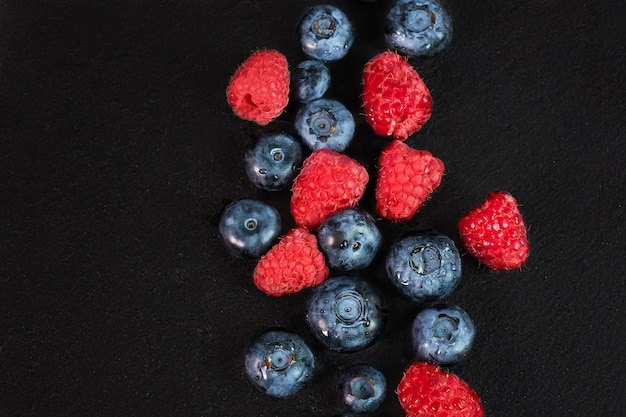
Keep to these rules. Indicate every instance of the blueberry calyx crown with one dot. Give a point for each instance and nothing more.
(419, 19)
(322, 124)
(350, 309)
(362, 387)
(425, 259)
(279, 358)
(446, 326)
(324, 26)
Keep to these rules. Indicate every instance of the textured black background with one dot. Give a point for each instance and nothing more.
(118, 151)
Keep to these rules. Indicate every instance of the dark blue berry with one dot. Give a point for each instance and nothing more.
(310, 80)
(418, 28)
(346, 313)
(442, 334)
(424, 266)
(350, 239)
(325, 123)
(279, 363)
(249, 227)
(271, 163)
(362, 388)
(325, 32)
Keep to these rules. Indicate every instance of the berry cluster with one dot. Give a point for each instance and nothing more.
(335, 240)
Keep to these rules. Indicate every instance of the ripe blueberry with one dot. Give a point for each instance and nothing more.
(271, 163)
(350, 239)
(325, 32)
(279, 363)
(424, 266)
(249, 227)
(310, 80)
(442, 334)
(362, 388)
(418, 27)
(325, 123)
(346, 313)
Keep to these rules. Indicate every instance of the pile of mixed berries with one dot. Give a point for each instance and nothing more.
(334, 239)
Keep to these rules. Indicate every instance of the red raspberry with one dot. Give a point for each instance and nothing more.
(259, 89)
(329, 182)
(292, 264)
(428, 391)
(494, 233)
(395, 99)
(406, 177)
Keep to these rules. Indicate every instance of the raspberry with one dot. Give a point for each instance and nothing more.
(427, 390)
(406, 177)
(259, 89)
(494, 233)
(395, 99)
(329, 182)
(294, 263)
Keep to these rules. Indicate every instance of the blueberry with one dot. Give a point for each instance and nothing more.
(325, 123)
(442, 334)
(362, 388)
(424, 266)
(325, 32)
(249, 227)
(418, 28)
(310, 80)
(346, 313)
(279, 363)
(271, 163)
(350, 239)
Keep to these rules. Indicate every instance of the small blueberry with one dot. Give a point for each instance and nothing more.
(325, 123)
(249, 227)
(325, 32)
(418, 28)
(442, 334)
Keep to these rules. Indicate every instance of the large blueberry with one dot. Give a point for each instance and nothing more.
(272, 162)
(346, 313)
(424, 265)
(325, 123)
(310, 80)
(279, 363)
(418, 28)
(249, 227)
(350, 239)
(325, 32)
(442, 334)
(362, 388)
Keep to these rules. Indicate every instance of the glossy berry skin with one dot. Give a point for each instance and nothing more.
(424, 266)
(427, 390)
(418, 28)
(494, 233)
(249, 227)
(328, 182)
(350, 239)
(325, 123)
(279, 363)
(396, 101)
(362, 388)
(325, 32)
(310, 80)
(292, 264)
(259, 89)
(272, 162)
(346, 313)
(442, 334)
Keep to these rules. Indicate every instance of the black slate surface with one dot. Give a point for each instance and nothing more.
(118, 151)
